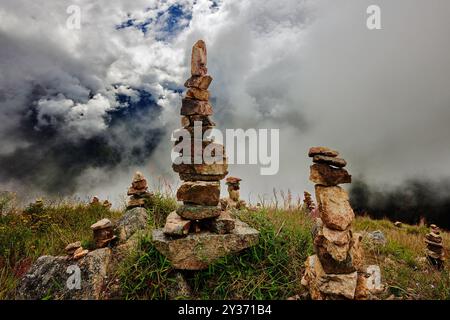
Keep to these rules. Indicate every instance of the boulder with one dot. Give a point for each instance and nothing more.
(335, 210)
(332, 161)
(328, 176)
(199, 193)
(175, 225)
(377, 237)
(195, 107)
(200, 82)
(132, 221)
(196, 212)
(197, 251)
(322, 151)
(56, 277)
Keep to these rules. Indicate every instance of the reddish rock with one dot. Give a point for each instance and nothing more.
(195, 107)
(335, 210)
(199, 59)
(188, 121)
(324, 151)
(200, 193)
(328, 176)
(337, 162)
(199, 94)
(200, 82)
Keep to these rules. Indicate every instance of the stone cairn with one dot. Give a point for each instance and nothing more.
(76, 251)
(233, 201)
(138, 192)
(336, 270)
(435, 248)
(200, 218)
(96, 202)
(308, 202)
(103, 233)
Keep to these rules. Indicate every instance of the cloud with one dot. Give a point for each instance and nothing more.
(310, 68)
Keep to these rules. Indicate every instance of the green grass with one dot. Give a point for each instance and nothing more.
(46, 230)
(270, 270)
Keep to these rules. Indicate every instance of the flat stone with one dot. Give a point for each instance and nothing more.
(337, 162)
(205, 148)
(199, 94)
(433, 237)
(200, 193)
(197, 251)
(328, 176)
(337, 237)
(175, 225)
(433, 244)
(335, 210)
(200, 82)
(199, 59)
(214, 169)
(322, 151)
(193, 212)
(198, 177)
(191, 107)
(101, 224)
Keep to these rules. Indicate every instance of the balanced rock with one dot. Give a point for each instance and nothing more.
(199, 59)
(198, 212)
(200, 82)
(332, 161)
(435, 248)
(322, 151)
(199, 94)
(195, 107)
(334, 207)
(103, 233)
(328, 176)
(72, 247)
(138, 192)
(199, 193)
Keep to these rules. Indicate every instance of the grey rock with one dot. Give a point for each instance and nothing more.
(132, 221)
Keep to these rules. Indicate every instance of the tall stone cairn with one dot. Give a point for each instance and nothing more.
(435, 248)
(336, 270)
(200, 222)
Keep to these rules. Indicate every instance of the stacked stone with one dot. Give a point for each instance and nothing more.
(103, 233)
(200, 191)
(233, 201)
(75, 251)
(138, 192)
(334, 271)
(308, 202)
(435, 248)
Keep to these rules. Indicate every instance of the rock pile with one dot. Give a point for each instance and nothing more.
(308, 202)
(103, 233)
(95, 201)
(138, 192)
(336, 271)
(435, 248)
(207, 231)
(75, 251)
(233, 201)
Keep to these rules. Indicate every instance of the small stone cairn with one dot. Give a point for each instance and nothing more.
(435, 248)
(336, 271)
(138, 192)
(233, 201)
(308, 202)
(200, 219)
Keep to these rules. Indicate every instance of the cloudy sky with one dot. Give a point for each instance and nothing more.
(81, 109)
